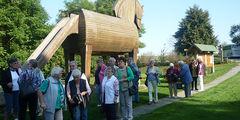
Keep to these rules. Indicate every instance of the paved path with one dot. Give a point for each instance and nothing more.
(164, 101)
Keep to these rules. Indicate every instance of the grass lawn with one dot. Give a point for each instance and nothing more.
(93, 110)
(218, 103)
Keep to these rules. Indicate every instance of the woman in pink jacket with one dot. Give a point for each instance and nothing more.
(99, 75)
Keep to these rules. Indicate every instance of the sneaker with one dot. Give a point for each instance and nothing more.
(155, 102)
(169, 96)
(99, 105)
(175, 97)
(16, 119)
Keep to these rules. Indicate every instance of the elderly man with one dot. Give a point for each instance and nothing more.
(112, 62)
(137, 76)
(186, 77)
(200, 73)
(69, 77)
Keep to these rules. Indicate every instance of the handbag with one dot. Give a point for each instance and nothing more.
(132, 90)
(25, 86)
(146, 81)
(78, 99)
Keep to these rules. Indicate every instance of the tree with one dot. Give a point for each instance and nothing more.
(22, 28)
(194, 28)
(75, 4)
(235, 34)
(105, 6)
(140, 33)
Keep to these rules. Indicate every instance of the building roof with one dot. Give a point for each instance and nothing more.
(205, 48)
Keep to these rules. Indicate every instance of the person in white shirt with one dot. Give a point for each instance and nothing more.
(11, 88)
(110, 94)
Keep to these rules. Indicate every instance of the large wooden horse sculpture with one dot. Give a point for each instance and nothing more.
(91, 33)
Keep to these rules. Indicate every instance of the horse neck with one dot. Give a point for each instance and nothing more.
(125, 9)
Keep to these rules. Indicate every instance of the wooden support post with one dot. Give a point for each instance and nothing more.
(67, 60)
(86, 60)
(135, 52)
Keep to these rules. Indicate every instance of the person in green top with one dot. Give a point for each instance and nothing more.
(51, 102)
(125, 77)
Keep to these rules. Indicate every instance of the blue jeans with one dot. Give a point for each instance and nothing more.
(12, 101)
(187, 90)
(98, 93)
(135, 98)
(79, 113)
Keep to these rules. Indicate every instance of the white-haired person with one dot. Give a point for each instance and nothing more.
(186, 77)
(171, 75)
(112, 63)
(110, 94)
(78, 91)
(152, 80)
(200, 72)
(52, 95)
(69, 77)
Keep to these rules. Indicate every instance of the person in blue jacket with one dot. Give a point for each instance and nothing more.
(186, 77)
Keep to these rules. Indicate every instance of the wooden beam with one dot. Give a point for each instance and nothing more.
(86, 55)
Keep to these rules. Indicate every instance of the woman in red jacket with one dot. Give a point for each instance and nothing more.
(171, 75)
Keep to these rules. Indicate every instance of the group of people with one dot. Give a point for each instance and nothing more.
(188, 74)
(20, 88)
(112, 85)
(28, 87)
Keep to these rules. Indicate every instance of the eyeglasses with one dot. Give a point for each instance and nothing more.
(120, 61)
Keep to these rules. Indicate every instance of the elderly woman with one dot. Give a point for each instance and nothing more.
(110, 93)
(11, 88)
(171, 75)
(193, 69)
(153, 80)
(29, 97)
(78, 91)
(52, 96)
(125, 77)
(200, 73)
(99, 74)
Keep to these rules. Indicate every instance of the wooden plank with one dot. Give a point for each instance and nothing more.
(49, 49)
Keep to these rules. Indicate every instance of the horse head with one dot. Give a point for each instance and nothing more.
(130, 10)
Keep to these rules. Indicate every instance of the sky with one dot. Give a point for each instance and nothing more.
(161, 19)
